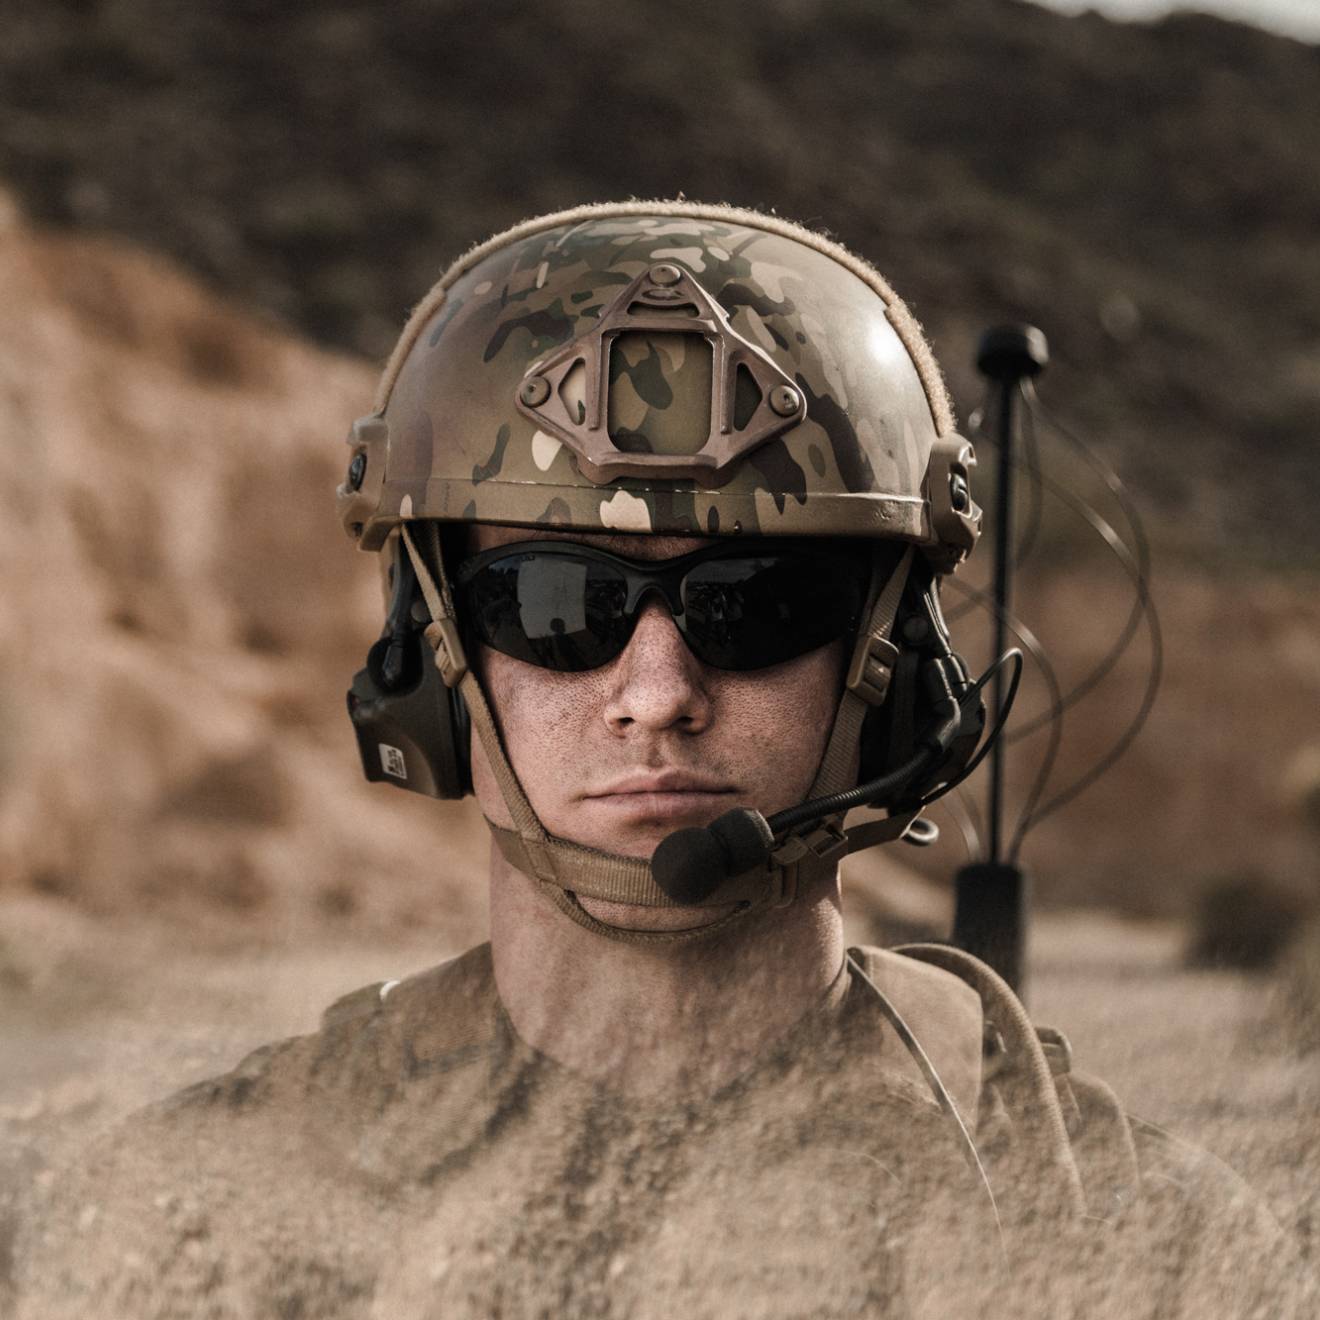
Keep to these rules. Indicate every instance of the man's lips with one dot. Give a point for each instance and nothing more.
(664, 794)
(651, 782)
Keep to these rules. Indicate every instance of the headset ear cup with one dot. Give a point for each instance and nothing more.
(414, 733)
(889, 732)
(460, 722)
(873, 761)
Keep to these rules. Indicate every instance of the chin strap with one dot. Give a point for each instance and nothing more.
(566, 870)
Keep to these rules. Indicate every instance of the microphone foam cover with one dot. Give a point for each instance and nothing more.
(689, 864)
(746, 838)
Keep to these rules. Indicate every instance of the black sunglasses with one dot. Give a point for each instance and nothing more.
(570, 607)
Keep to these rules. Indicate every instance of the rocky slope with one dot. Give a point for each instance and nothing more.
(182, 614)
(1147, 193)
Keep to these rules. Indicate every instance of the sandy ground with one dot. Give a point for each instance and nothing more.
(96, 1019)
(1203, 1054)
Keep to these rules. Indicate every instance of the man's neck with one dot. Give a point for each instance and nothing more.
(660, 1018)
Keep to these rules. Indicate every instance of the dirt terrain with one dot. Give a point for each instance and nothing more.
(181, 613)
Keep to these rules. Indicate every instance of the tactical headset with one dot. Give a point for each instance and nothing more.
(413, 731)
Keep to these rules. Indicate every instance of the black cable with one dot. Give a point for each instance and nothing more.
(1001, 719)
(1113, 482)
(956, 805)
(1053, 716)
(1137, 568)
(1135, 563)
(1141, 604)
(973, 809)
(1064, 796)
(1143, 607)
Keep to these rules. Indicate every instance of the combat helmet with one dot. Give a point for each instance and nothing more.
(663, 367)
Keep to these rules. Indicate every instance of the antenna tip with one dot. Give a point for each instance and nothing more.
(1010, 352)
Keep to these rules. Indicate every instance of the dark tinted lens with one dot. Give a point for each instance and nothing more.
(552, 610)
(750, 612)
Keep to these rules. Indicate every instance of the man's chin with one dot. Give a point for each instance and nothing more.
(640, 838)
(634, 824)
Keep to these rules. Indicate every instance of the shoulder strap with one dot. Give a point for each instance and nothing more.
(1104, 1144)
(1041, 1156)
(941, 1011)
(927, 1069)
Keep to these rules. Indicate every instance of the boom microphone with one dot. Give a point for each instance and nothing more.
(691, 864)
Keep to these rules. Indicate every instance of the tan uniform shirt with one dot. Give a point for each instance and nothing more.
(415, 1158)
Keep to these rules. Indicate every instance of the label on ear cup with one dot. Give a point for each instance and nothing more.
(392, 762)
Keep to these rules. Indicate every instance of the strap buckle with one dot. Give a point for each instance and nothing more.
(1057, 1049)
(450, 658)
(825, 843)
(871, 669)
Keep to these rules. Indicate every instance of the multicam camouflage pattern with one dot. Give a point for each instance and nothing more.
(661, 387)
(451, 443)
(655, 382)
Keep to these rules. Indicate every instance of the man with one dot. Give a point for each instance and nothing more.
(663, 494)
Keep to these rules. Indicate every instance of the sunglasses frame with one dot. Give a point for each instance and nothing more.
(666, 576)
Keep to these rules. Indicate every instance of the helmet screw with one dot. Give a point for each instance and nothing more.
(535, 391)
(785, 400)
(665, 274)
(357, 471)
(960, 494)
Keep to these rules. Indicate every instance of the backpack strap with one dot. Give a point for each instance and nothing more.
(1037, 1163)
(941, 1011)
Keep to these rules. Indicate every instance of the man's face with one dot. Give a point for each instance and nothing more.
(618, 757)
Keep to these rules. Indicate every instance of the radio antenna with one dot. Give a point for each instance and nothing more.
(991, 895)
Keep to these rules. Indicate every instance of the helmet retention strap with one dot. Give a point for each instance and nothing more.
(442, 633)
(564, 869)
(867, 683)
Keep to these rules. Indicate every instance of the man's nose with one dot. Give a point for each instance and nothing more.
(657, 683)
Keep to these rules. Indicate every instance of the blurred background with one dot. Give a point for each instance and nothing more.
(213, 221)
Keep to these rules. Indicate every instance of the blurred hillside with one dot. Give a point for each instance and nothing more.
(1147, 194)
(186, 614)
(182, 616)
